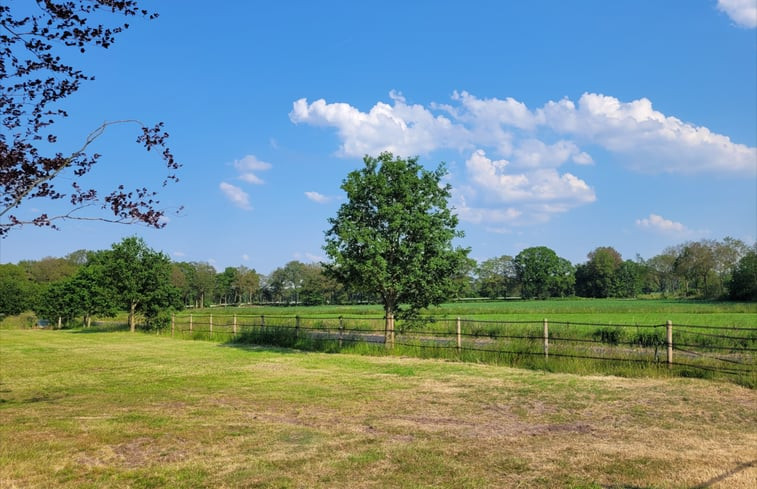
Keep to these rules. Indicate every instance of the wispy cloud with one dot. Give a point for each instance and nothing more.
(742, 12)
(236, 195)
(247, 167)
(317, 197)
(309, 257)
(659, 224)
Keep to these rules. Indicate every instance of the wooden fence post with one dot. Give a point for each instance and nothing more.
(341, 331)
(546, 339)
(235, 325)
(173, 324)
(459, 336)
(669, 331)
(60, 322)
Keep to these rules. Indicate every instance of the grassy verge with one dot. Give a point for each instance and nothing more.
(132, 410)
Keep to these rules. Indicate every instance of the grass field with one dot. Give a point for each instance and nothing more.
(131, 410)
(612, 311)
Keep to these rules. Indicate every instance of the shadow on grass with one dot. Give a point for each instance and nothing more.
(261, 348)
(705, 485)
(284, 340)
(726, 475)
(102, 327)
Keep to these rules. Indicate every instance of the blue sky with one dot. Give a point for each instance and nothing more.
(571, 125)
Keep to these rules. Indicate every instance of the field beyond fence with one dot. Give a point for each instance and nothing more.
(578, 347)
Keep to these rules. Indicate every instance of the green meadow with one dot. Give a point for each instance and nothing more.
(601, 311)
(111, 409)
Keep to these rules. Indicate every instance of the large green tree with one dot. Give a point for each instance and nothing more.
(543, 274)
(597, 278)
(141, 279)
(393, 237)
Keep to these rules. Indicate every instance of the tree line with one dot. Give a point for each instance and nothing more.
(130, 277)
(705, 269)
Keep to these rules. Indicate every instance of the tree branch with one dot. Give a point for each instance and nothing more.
(90, 139)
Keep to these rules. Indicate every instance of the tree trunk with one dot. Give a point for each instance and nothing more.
(389, 307)
(389, 336)
(132, 319)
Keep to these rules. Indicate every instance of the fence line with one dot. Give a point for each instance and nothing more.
(468, 338)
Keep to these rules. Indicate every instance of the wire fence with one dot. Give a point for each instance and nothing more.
(685, 350)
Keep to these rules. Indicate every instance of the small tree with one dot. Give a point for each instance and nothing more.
(393, 236)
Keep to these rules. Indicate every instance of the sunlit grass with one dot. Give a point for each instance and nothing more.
(612, 311)
(133, 410)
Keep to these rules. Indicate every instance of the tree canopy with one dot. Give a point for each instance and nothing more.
(743, 283)
(140, 279)
(543, 274)
(35, 80)
(393, 237)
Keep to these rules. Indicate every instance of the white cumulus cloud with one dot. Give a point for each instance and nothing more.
(519, 196)
(523, 180)
(742, 12)
(647, 139)
(533, 153)
(640, 136)
(541, 185)
(236, 195)
(403, 129)
(658, 223)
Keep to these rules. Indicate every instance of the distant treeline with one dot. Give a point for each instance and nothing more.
(58, 287)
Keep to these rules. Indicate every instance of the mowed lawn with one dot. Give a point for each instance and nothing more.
(135, 410)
